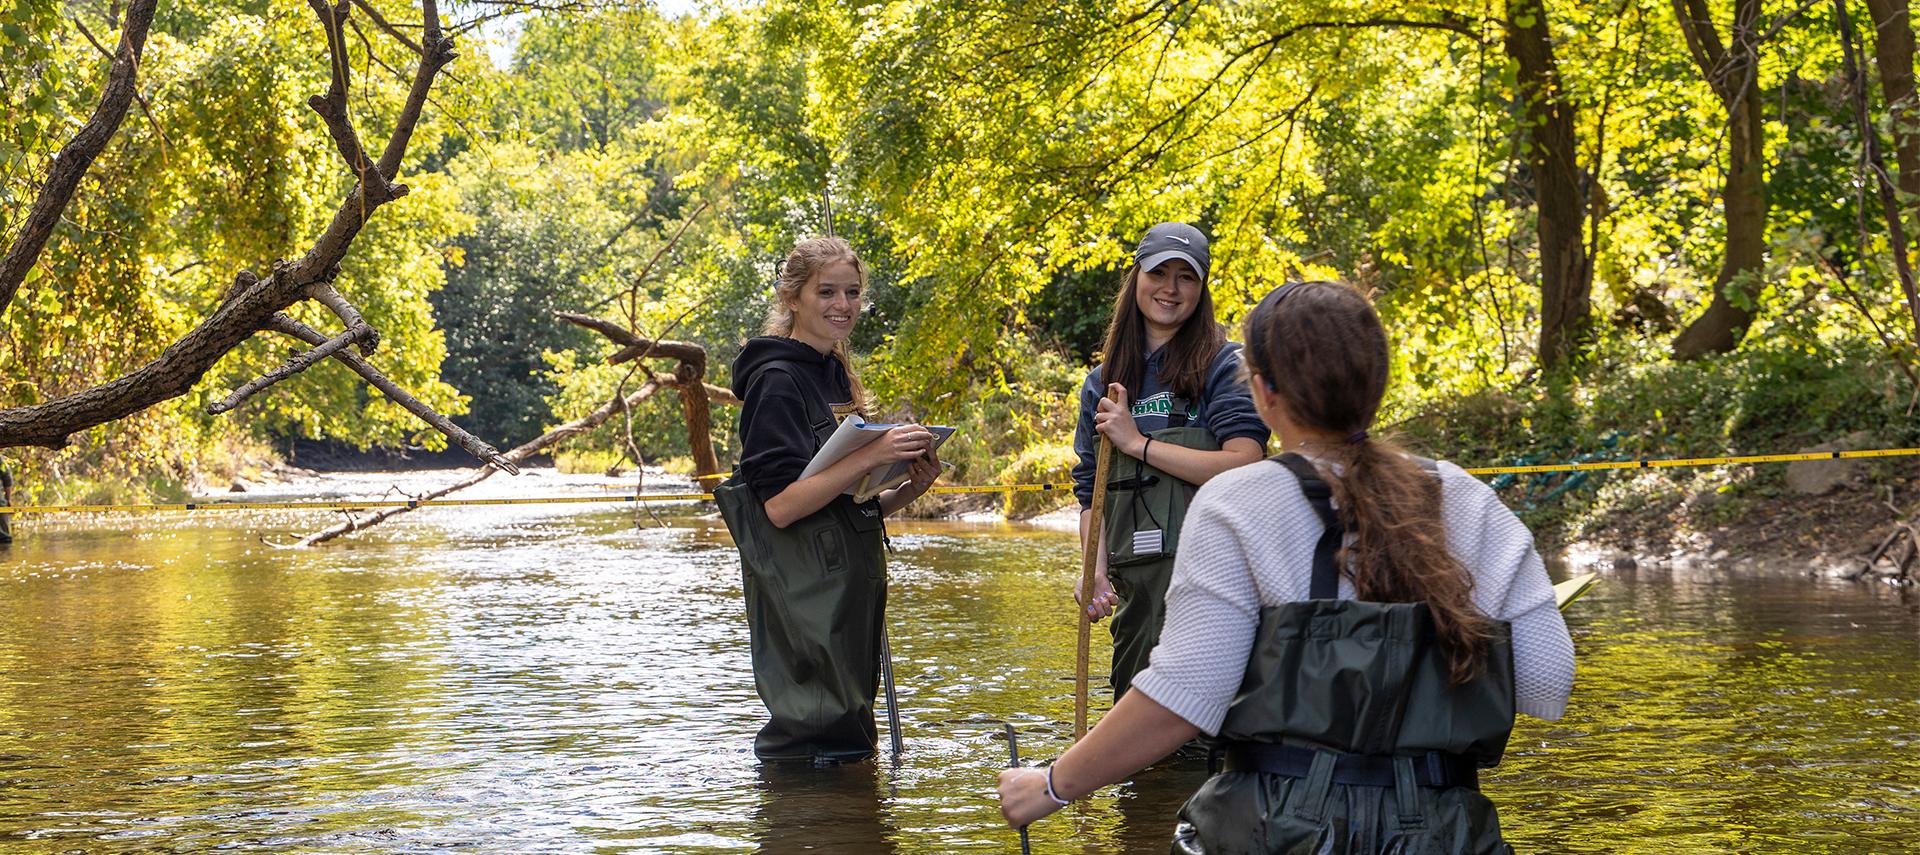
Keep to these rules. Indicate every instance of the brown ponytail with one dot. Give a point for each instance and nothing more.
(1321, 347)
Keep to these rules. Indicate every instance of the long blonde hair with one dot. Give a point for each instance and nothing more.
(808, 258)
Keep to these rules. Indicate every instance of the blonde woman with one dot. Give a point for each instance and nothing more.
(813, 566)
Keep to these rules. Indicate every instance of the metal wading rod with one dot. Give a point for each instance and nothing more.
(1089, 556)
(1013, 762)
(893, 701)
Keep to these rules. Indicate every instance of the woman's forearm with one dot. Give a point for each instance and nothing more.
(808, 495)
(1196, 466)
(1090, 527)
(897, 498)
(1131, 737)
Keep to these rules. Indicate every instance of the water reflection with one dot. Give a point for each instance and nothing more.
(836, 809)
(529, 680)
(1149, 805)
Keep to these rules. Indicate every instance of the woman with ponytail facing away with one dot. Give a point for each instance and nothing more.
(1356, 625)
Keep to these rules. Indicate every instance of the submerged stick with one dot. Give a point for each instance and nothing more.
(1089, 558)
(1013, 762)
(893, 701)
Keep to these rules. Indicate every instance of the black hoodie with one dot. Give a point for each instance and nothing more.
(776, 439)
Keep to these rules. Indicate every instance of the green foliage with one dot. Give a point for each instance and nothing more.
(992, 162)
(536, 246)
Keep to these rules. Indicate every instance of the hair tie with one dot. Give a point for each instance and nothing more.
(1357, 437)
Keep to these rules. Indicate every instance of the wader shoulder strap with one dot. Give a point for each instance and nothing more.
(819, 416)
(1326, 574)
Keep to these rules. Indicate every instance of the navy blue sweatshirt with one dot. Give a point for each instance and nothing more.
(1225, 410)
(776, 441)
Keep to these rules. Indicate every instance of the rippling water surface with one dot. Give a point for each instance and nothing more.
(529, 679)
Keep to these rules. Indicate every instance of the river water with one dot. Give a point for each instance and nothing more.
(559, 679)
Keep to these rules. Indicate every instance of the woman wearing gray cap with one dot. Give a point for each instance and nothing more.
(1182, 416)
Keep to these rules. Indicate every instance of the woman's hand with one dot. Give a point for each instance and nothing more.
(1023, 796)
(1113, 420)
(1104, 599)
(922, 472)
(901, 443)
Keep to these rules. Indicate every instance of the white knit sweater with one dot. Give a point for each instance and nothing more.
(1248, 544)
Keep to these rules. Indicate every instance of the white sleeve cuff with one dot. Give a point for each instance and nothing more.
(1188, 705)
(1542, 709)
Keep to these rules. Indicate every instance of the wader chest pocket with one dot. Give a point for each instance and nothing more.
(840, 529)
(831, 548)
(867, 530)
(1146, 506)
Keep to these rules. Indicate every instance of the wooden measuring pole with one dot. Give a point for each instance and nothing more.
(1089, 557)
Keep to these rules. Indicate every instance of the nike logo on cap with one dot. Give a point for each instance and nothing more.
(1180, 239)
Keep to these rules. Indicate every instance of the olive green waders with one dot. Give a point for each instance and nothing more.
(1347, 736)
(1145, 508)
(816, 604)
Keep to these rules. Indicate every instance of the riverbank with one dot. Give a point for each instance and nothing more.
(1756, 517)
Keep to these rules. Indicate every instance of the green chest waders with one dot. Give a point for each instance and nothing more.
(1144, 510)
(816, 604)
(1346, 735)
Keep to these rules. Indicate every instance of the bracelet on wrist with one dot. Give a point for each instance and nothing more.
(1143, 449)
(1057, 800)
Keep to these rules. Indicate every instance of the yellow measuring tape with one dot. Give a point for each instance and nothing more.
(371, 504)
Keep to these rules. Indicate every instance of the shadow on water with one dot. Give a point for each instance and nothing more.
(1149, 805)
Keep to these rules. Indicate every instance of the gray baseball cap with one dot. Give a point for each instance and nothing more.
(1168, 241)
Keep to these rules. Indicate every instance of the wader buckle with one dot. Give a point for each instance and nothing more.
(1432, 769)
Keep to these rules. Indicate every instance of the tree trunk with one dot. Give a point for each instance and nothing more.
(1720, 329)
(1875, 166)
(699, 413)
(1893, 59)
(252, 304)
(1566, 271)
(1733, 74)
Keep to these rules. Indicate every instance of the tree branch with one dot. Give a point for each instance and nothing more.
(512, 456)
(369, 337)
(473, 445)
(251, 304)
(601, 415)
(1872, 161)
(332, 106)
(436, 52)
(633, 346)
(297, 364)
(1703, 41)
(146, 109)
(76, 157)
(381, 22)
